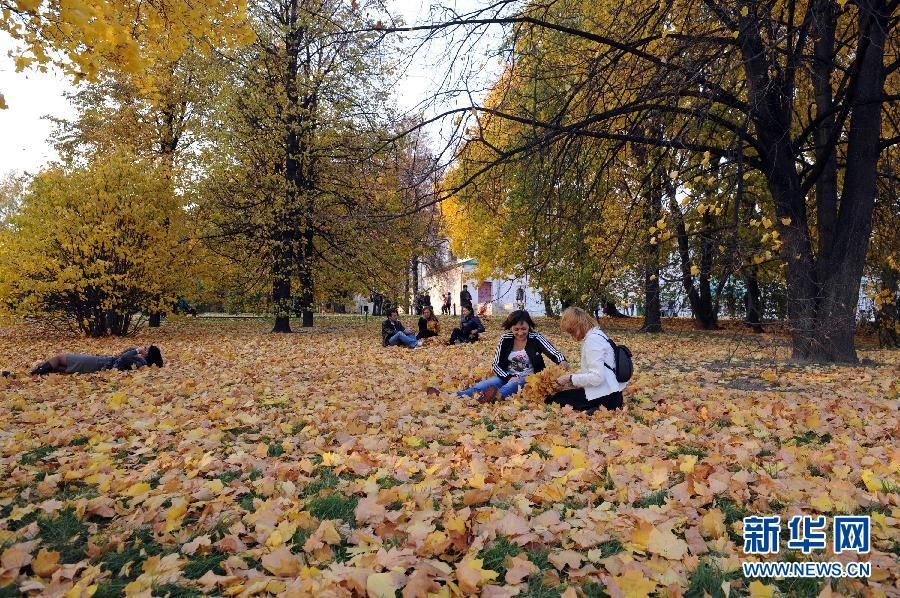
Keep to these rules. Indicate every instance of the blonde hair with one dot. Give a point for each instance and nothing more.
(577, 322)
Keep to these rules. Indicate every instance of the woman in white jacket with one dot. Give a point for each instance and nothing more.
(595, 384)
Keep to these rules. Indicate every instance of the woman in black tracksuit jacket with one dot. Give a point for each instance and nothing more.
(520, 352)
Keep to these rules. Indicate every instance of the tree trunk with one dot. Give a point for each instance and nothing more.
(610, 309)
(652, 213)
(155, 320)
(823, 289)
(887, 316)
(548, 306)
(701, 306)
(752, 300)
(281, 298)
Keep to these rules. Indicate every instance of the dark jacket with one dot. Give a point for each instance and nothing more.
(424, 332)
(470, 324)
(465, 298)
(127, 360)
(536, 346)
(389, 329)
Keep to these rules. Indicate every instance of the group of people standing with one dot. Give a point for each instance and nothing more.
(521, 351)
(423, 300)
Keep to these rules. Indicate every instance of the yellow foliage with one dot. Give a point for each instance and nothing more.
(94, 245)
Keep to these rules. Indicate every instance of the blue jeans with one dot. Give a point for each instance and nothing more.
(506, 388)
(401, 337)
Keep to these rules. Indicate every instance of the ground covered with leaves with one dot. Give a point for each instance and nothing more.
(316, 464)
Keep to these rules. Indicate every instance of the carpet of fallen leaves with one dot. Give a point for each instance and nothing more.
(315, 464)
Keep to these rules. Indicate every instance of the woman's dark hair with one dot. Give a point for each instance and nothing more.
(467, 308)
(431, 310)
(520, 315)
(154, 357)
(393, 312)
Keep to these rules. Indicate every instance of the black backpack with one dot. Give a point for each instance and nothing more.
(624, 365)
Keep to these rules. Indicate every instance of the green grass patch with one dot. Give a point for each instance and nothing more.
(276, 450)
(79, 441)
(610, 547)
(326, 480)
(141, 546)
(299, 538)
(657, 498)
(541, 558)
(34, 455)
(795, 586)
(111, 589)
(594, 589)
(229, 476)
(608, 482)
(537, 450)
(246, 501)
(537, 589)
(23, 522)
(10, 591)
(334, 506)
(198, 566)
(174, 590)
(687, 450)
(733, 512)
(65, 534)
(707, 580)
(496, 555)
(388, 482)
(810, 437)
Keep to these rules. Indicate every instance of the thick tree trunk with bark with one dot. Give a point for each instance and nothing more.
(155, 320)
(281, 299)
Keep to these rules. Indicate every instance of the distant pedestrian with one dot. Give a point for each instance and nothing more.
(465, 297)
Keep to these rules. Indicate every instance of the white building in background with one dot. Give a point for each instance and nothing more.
(494, 296)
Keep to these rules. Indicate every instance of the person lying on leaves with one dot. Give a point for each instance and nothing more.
(83, 363)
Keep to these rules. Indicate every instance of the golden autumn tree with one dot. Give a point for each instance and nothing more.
(796, 91)
(93, 246)
(85, 37)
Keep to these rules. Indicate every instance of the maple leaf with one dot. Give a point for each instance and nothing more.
(282, 563)
(633, 584)
(382, 585)
(45, 562)
(519, 568)
(471, 575)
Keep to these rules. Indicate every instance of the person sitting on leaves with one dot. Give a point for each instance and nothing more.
(428, 324)
(595, 385)
(394, 333)
(83, 363)
(469, 328)
(519, 353)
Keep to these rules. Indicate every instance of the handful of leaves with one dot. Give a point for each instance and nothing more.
(541, 385)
